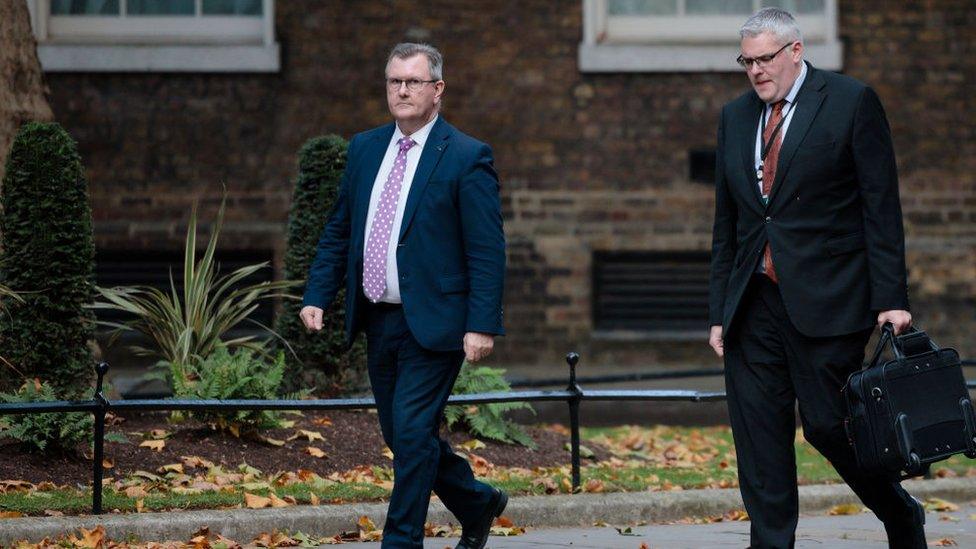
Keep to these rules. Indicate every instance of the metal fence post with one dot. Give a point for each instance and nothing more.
(574, 422)
(101, 408)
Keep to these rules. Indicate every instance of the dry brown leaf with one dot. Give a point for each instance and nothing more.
(156, 445)
(322, 422)
(195, 461)
(107, 463)
(594, 485)
(90, 539)
(11, 514)
(945, 542)
(271, 441)
(387, 452)
(140, 505)
(313, 499)
(253, 501)
(278, 502)
(473, 444)
(158, 433)
(171, 468)
(135, 492)
(315, 452)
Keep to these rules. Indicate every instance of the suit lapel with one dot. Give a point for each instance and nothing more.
(434, 148)
(372, 159)
(808, 103)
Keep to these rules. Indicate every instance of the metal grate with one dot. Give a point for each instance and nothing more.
(153, 268)
(650, 291)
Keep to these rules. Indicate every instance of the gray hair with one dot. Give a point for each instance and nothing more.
(406, 50)
(776, 21)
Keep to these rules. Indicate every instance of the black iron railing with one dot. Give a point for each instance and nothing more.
(573, 395)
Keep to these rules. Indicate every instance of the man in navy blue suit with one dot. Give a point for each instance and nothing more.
(416, 236)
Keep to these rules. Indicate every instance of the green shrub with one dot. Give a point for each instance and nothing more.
(226, 375)
(48, 254)
(58, 431)
(187, 328)
(320, 358)
(487, 420)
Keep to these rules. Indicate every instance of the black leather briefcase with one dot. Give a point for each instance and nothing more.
(911, 411)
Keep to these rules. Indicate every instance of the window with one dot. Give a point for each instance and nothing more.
(156, 35)
(692, 35)
(662, 294)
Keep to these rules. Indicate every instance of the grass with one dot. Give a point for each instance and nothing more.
(654, 458)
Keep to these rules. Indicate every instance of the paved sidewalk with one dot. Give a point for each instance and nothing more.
(822, 532)
(552, 520)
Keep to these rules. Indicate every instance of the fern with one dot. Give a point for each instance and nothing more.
(230, 376)
(60, 431)
(487, 420)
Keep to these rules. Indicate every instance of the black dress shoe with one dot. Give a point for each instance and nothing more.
(909, 534)
(475, 536)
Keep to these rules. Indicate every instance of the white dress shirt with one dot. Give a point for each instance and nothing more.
(392, 292)
(790, 106)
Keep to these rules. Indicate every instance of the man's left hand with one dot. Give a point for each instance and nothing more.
(901, 320)
(477, 346)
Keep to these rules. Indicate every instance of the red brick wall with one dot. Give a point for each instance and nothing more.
(588, 162)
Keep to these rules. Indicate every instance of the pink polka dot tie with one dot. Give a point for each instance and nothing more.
(378, 245)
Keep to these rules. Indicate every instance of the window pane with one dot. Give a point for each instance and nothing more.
(797, 6)
(643, 7)
(232, 7)
(160, 7)
(84, 7)
(718, 7)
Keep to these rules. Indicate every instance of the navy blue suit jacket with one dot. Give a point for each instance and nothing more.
(450, 250)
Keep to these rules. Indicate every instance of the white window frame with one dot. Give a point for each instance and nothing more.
(126, 43)
(688, 43)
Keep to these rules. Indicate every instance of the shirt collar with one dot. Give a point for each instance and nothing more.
(791, 97)
(420, 136)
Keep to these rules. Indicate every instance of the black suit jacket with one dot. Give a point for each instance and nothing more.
(833, 220)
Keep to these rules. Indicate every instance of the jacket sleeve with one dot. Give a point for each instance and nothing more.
(877, 178)
(723, 235)
(484, 244)
(328, 271)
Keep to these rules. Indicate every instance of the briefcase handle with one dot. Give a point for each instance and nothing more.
(911, 342)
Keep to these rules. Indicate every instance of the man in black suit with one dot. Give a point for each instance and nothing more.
(807, 257)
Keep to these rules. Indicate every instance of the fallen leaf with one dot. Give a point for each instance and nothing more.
(625, 531)
(140, 505)
(158, 434)
(11, 514)
(315, 452)
(135, 492)
(253, 501)
(846, 509)
(271, 441)
(156, 445)
(504, 522)
(313, 499)
(90, 539)
(936, 504)
(594, 485)
(473, 444)
(322, 421)
(945, 542)
(388, 453)
(312, 436)
(171, 468)
(107, 463)
(278, 502)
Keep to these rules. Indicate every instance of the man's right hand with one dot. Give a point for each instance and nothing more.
(312, 317)
(715, 340)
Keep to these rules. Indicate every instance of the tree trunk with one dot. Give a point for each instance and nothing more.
(21, 81)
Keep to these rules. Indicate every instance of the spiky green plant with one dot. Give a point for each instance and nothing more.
(188, 328)
(487, 420)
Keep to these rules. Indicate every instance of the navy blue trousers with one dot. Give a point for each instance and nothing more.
(411, 385)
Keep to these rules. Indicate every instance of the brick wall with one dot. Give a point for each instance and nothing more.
(588, 162)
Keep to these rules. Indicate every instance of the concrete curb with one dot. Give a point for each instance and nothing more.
(537, 511)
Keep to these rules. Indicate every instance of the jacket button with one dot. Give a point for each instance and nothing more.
(769, 219)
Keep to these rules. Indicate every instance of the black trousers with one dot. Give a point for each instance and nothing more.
(411, 385)
(769, 368)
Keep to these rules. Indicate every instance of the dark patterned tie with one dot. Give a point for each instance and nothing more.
(769, 174)
(378, 245)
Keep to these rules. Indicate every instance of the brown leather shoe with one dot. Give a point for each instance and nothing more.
(476, 535)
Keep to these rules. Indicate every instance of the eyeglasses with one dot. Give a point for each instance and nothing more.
(762, 60)
(414, 85)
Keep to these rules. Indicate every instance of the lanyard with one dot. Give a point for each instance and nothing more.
(764, 147)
